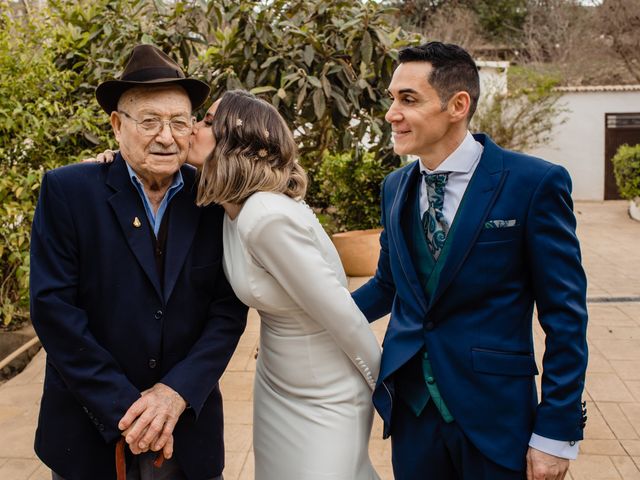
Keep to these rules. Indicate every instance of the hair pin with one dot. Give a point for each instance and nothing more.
(266, 133)
(262, 152)
(239, 122)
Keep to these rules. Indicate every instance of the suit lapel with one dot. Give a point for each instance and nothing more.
(481, 193)
(409, 176)
(183, 222)
(127, 206)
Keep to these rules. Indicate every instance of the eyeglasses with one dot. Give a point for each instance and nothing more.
(180, 126)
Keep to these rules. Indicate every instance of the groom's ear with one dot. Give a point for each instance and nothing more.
(458, 106)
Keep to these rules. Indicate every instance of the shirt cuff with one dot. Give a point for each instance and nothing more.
(558, 448)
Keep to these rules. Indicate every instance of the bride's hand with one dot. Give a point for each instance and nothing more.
(107, 156)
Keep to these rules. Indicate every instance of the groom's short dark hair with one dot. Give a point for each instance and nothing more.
(453, 70)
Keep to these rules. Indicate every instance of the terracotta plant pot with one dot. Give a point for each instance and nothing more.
(359, 251)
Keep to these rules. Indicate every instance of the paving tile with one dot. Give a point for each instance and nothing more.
(248, 469)
(632, 447)
(380, 451)
(597, 428)
(615, 419)
(598, 363)
(249, 339)
(618, 349)
(609, 315)
(234, 461)
(632, 412)
(238, 412)
(385, 472)
(626, 369)
(594, 467)
(607, 388)
(626, 467)
(18, 468)
(619, 332)
(237, 438)
(237, 385)
(631, 309)
(241, 358)
(376, 429)
(41, 473)
(601, 447)
(634, 387)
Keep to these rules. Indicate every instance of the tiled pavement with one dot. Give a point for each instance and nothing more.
(611, 450)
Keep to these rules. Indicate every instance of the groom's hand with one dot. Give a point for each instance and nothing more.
(542, 466)
(149, 422)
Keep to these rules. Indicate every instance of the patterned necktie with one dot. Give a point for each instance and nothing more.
(434, 224)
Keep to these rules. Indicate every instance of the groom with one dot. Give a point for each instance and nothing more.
(474, 236)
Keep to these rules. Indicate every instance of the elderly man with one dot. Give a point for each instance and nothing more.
(128, 294)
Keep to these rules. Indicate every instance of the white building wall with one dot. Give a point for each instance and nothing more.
(578, 144)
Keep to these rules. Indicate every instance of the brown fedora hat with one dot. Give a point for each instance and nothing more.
(149, 66)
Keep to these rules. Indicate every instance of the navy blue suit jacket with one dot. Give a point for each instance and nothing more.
(110, 328)
(477, 325)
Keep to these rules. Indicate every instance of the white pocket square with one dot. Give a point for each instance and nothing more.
(500, 223)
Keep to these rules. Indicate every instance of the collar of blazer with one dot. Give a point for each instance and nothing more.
(183, 223)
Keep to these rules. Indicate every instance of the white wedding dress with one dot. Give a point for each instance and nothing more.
(318, 359)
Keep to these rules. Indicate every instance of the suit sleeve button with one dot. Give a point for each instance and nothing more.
(429, 326)
(153, 363)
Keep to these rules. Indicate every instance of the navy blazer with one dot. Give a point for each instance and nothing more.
(477, 325)
(111, 329)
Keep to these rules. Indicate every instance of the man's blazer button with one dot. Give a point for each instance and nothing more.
(572, 443)
(101, 427)
(158, 315)
(429, 326)
(430, 380)
(153, 363)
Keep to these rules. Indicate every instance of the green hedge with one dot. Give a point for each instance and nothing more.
(626, 167)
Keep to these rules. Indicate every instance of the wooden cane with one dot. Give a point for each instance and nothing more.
(121, 464)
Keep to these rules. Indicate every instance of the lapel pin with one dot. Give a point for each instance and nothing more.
(136, 222)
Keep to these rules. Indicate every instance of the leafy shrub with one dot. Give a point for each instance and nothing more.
(626, 167)
(18, 197)
(351, 182)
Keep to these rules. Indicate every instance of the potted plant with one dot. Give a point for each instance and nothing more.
(349, 183)
(626, 167)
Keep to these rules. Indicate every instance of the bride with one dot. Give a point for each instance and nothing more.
(318, 358)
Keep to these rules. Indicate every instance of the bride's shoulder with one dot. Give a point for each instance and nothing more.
(265, 207)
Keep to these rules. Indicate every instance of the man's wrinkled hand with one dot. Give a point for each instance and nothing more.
(149, 422)
(543, 466)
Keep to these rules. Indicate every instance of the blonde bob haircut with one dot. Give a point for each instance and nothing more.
(255, 152)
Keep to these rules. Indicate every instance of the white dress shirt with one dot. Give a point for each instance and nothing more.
(461, 165)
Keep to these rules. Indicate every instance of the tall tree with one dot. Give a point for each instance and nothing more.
(621, 25)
